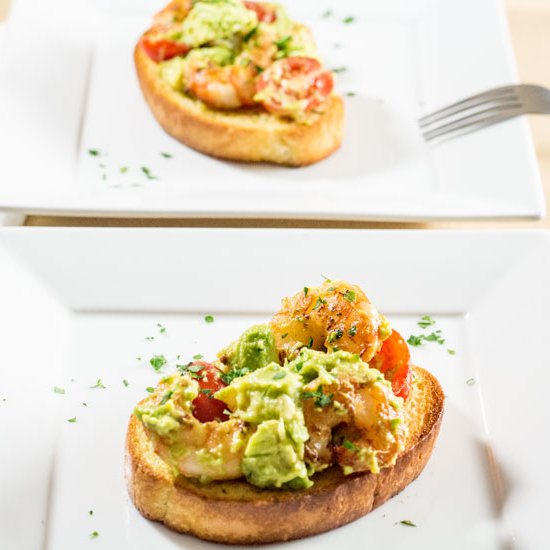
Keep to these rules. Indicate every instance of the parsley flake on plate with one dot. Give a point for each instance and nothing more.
(149, 389)
(157, 362)
(99, 384)
(407, 522)
(209, 318)
(72, 420)
(58, 390)
(426, 321)
(148, 173)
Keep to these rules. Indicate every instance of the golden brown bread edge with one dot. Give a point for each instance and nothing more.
(244, 135)
(236, 512)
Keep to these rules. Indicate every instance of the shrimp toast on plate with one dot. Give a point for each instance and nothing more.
(241, 81)
(301, 425)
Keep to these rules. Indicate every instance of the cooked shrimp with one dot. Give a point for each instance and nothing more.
(210, 450)
(363, 419)
(229, 87)
(334, 316)
(176, 415)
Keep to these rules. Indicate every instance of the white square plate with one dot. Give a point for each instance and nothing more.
(69, 86)
(78, 306)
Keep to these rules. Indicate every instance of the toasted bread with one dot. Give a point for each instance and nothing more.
(246, 135)
(236, 512)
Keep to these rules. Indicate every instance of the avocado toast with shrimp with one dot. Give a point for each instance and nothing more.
(239, 80)
(301, 425)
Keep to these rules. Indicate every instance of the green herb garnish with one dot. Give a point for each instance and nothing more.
(310, 343)
(321, 399)
(471, 381)
(349, 295)
(162, 329)
(94, 535)
(99, 384)
(335, 335)
(407, 522)
(94, 152)
(337, 70)
(451, 351)
(209, 318)
(283, 42)
(72, 420)
(350, 446)
(61, 391)
(197, 357)
(353, 330)
(320, 302)
(166, 155)
(426, 321)
(206, 391)
(91, 512)
(327, 14)
(123, 169)
(148, 173)
(349, 19)
(157, 362)
(306, 290)
(228, 377)
(125, 382)
(149, 389)
(166, 396)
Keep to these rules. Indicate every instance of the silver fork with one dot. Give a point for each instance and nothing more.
(485, 109)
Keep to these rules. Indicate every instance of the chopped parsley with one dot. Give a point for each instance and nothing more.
(349, 295)
(157, 362)
(123, 169)
(250, 34)
(228, 377)
(353, 330)
(407, 522)
(94, 535)
(394, 422)
(209, 318)
(72, 420)
(125, 382)
(321, 399)
(99, 384)
(426, 321)
(149, 338)
(471, 381)
(197, 357)
(149, 389)
(451, 351)
(306, 290)
(325, 278)
(166, 155)
(310, 343)
(61, 391)
(166, 396)
(350, 446)
(162, 329)
(91, 512)
(279, 375)
(283, 336)
(206, 391)
(84, 404)
(327, 14)
(335, 335)
(418, 340)
(191, 370)
(349, 19)
(283, 42)
(337, 70)
(320, 302)
(148, 173)
(94, 152)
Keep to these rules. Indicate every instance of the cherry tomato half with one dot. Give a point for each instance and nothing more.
(292, 80)
(394, 361)
(205, 407)
(161, 49)
(265, 12)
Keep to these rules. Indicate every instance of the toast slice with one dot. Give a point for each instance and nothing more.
(236, 512)
(246, 135)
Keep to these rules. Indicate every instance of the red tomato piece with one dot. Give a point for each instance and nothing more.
(265, 12)
(205, 407)
(394, 361)
(292, 80)
(161, 49)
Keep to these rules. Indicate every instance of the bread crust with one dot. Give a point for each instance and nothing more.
(245, 135)
(236, 512)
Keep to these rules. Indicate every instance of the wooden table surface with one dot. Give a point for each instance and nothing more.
(530, 28)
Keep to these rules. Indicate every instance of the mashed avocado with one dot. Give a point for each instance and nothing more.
(270, 398)
(254, 349)
(216, 20)
(160, 412)
(325, 368)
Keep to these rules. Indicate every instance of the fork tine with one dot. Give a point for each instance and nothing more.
(489, 95)
(473, 124)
